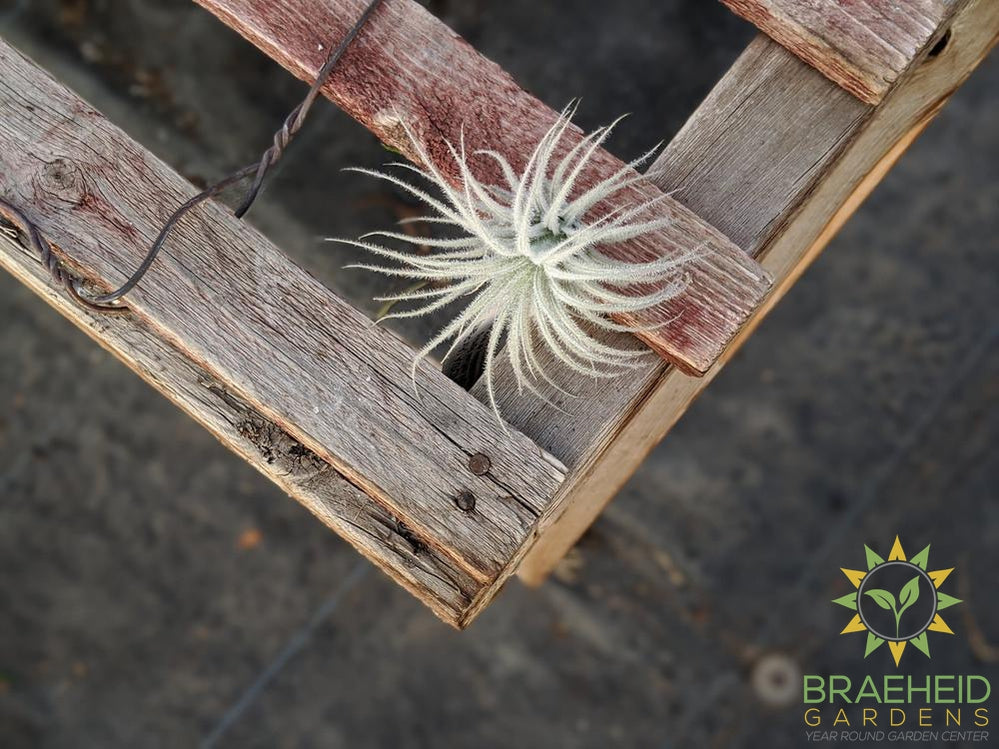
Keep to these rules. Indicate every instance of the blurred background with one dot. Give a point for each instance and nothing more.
(157, 592)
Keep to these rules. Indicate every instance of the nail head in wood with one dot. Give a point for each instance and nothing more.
(479, 464)
(465, 501)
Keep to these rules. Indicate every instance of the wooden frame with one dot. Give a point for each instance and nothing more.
(396, 481)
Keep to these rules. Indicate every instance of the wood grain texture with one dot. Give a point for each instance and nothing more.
(376, 533)
(406, 68)
(862, 45)
(720, 156)
(275, 338)
(603, 447)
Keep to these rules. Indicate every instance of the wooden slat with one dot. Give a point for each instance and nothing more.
(863, 45)
(406, 67)
(275, 338)
(806, 122)
(428, 574)
(827, 162)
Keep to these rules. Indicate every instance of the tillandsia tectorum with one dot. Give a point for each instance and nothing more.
(529, 260)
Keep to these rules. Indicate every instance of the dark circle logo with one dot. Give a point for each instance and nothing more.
(897, 601)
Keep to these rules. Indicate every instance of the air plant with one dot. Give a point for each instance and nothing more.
(528, 260)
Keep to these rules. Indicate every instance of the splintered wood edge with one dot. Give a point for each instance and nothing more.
(863, 47)
(98, 197)
(406, 70)
(610, 441)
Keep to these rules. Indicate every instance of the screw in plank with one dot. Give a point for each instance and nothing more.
(479, 464)
(465, 501)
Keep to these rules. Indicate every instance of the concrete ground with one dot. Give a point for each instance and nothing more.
(157, 592)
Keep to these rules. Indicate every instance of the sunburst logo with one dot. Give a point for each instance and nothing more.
(897, 601)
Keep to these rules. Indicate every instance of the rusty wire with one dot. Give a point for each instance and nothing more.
(60, 274)
(107, 303)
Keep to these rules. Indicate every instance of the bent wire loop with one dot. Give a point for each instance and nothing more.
(110, 303)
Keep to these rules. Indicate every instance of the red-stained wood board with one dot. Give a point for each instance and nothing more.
(406, 70)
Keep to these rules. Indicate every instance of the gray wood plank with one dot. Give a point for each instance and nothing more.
(829, 179)
(239, 309)
(369, 527)
(758, 143)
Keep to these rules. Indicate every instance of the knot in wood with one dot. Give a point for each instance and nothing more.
(61, 179)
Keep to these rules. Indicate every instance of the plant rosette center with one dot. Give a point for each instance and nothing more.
(544, 238)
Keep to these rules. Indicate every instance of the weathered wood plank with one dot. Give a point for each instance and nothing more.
(408, 68)
(862, 45)
(608, 434)
(369, 527)
(805, 122)
(277, 339)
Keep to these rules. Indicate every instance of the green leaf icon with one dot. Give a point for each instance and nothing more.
(908, 594)
(882, 598)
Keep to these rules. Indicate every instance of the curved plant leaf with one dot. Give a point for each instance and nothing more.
(908, 595)
(882, 598)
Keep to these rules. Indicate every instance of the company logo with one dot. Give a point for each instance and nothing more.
(897, 601)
